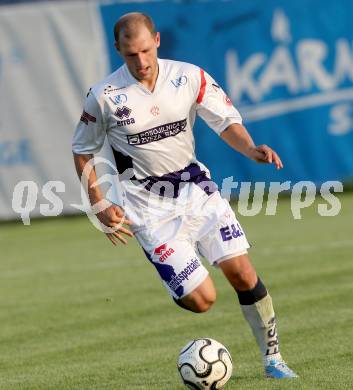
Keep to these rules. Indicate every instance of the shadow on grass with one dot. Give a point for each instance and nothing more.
(237, 379)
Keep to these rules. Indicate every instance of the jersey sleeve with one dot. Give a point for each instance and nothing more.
(90, 132)
(214, 106)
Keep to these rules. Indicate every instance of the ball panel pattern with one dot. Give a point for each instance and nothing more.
(205, 364)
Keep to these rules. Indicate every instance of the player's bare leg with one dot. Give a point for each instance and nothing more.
(200, 299)
(256, 305)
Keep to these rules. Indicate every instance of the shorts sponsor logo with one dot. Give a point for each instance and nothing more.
(163, 252)
(157, 133)
(230, 232)
(178, 82)
(161, 249)
(178, 279)
(86, 117)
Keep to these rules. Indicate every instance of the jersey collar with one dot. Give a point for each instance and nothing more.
(131, 79)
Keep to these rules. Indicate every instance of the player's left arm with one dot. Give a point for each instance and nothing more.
(217, 110)
(237, 137)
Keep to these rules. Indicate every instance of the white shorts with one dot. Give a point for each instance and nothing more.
(208, 228)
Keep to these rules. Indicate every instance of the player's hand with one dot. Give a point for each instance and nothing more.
(114, 217)
(264, 154)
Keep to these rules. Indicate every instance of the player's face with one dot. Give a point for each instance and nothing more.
(140, 54)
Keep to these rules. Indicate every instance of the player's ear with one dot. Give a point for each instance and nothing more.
(157, 39)
(116, 44)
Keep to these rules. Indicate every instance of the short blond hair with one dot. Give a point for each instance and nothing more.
(128, 25)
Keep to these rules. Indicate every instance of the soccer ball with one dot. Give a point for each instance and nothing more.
(205, 364)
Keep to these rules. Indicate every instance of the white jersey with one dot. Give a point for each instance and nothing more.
(151, 132)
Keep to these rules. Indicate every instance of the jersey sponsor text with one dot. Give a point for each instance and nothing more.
(157, 133)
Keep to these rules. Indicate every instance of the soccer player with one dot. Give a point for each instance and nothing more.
(147, 109)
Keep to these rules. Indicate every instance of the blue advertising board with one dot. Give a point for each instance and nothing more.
(287, 67)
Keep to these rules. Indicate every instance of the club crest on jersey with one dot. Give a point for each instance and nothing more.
(163, 252)
(119, 99)
(182, 80)
(154, 110)
(86, 117)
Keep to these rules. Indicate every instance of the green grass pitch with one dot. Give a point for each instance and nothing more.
(78, 314)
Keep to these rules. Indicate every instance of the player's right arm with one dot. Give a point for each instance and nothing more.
(88, 140)
(111, 216)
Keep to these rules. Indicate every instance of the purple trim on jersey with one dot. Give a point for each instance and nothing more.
(170, 184)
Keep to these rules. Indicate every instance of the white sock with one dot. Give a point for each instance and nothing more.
(262, 320)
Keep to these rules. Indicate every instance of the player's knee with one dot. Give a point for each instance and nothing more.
(244, 278)
(199, 302)
(204, 304)
(200, 306)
